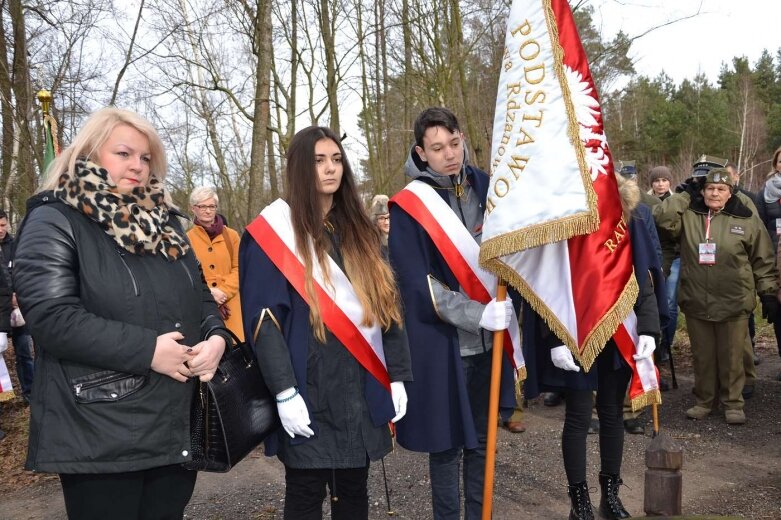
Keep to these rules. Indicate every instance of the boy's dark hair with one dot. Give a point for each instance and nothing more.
(434, 116)
(3, 214)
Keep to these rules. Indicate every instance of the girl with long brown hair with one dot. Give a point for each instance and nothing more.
(322, 311)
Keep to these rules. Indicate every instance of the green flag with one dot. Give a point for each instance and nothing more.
(51, 148)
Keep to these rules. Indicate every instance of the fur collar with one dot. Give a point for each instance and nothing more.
(734, 207)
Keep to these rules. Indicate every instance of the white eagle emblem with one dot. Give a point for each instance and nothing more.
(586, 110)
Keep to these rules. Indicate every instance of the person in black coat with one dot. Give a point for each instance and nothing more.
(123, 322)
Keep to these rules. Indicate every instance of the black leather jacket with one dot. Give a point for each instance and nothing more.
(95, 311)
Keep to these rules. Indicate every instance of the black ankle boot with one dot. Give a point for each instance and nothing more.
(610, 505)
(581, 503)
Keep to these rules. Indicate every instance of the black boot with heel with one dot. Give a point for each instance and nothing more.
(610, 505)
(581, 502)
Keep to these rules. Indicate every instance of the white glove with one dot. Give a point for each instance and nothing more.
(562, 358)
(496, 315)
(399, 396)
(293, 413)
(3, 341)
(645, 348)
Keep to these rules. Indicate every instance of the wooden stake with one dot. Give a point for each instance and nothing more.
(493, 411)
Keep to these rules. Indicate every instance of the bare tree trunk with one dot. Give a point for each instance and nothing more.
(272, 167)
(25, 166)
(407, 37)
(256, 199)
(366, 97)
(7, 108)
(329, 50)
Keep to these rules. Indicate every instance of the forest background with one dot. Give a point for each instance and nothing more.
(227, 83)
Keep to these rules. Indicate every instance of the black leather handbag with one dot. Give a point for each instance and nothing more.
(231, 414)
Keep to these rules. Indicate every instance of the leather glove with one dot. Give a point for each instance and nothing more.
(692, 186)
(496, 315)
(3, 341)
(645, 348)
(399, 396)
(293, 413)
(769, 307)
(562, 358)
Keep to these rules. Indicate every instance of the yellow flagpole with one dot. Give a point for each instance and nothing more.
(493, 410)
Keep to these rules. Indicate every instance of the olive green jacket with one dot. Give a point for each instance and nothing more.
(745, 264)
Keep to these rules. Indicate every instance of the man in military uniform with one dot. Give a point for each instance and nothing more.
(726, 258)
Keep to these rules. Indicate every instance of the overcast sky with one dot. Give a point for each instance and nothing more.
(722, 30)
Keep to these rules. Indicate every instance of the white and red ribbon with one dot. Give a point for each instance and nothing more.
(340, 307)
(459, 250)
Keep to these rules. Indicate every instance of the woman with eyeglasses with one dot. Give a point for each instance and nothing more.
(217, 249)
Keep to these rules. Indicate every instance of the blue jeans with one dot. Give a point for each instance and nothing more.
(444, 466)
(23, 349)
(668, 334)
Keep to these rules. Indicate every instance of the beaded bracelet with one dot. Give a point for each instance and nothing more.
(286, 399)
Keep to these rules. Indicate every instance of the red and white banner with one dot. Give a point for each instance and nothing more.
(340, 307)
(461, 252)
(553, 226)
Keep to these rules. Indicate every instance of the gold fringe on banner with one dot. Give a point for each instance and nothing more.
(601, 334)
(573, 128)
(6, 396)
(646, 399)
(537, 235)
(597, 339)
(557, 230)
(505, 272)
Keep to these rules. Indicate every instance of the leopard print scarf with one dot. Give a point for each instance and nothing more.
(137, 221)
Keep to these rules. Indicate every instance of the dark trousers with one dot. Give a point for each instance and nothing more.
(611, 388)
(23, 351)
(305, 490)
(152, 494)
(444, 466)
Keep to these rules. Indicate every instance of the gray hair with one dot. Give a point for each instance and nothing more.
(203, 193)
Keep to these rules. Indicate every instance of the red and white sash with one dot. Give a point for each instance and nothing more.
(340, 308)
(644, 384)
(461, 253)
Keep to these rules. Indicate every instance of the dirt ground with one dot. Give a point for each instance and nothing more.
(729, 471)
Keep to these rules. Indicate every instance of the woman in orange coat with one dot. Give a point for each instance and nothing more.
(217, 248)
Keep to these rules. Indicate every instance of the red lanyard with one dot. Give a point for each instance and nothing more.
(707, 225)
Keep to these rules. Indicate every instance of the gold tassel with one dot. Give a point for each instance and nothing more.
(538, 235)
(596, 340)
(646, 399)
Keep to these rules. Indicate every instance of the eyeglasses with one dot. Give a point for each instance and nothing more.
(204, 207)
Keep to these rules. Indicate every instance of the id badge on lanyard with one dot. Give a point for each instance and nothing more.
(707, 249)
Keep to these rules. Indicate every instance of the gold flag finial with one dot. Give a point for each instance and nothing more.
(45, 98)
